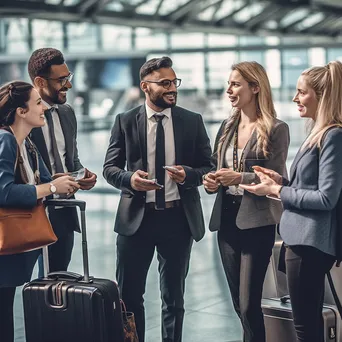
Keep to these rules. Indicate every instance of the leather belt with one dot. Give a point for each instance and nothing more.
(168, 205)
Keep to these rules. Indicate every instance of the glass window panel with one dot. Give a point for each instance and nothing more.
(334, 54)
(273, 67)
(187, 40)
(190, 68)
(217, 40)
(290, 77)
(316, 56)
(116, 37)
(82, 37)
(295, 57)
(151, 41)
(257, 56)
(251, 40)
(47, 33)
(219, 67)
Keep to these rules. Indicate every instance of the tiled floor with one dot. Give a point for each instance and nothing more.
(209, 312)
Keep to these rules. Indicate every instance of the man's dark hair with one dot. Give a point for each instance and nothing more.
(41, 61)
(154, 64)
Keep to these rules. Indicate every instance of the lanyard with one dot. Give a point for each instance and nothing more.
(238, 167)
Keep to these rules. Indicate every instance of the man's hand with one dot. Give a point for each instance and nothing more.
(209, 182)
(227, 177)
(139, 182)
(88, 181)
(177, 176)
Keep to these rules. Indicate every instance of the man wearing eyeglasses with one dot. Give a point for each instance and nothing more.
(157, 155)
(56, 142)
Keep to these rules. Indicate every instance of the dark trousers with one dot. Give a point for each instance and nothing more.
(306, 268)
(168, 232)
(6, 314)
(59, 254)
(245, 256)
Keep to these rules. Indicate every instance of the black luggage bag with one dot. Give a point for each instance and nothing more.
(65, 306)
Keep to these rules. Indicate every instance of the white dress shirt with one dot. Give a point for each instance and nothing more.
(59, 138)
(171, 189)
(27, 165)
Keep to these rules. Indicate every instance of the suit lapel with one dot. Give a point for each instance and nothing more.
(67, 133)
(226, 144)
(251, 144)
(38, 139)
(178, 124)
(141, 119)
(300, 154)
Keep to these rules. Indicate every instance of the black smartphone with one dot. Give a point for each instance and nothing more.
(249, 163)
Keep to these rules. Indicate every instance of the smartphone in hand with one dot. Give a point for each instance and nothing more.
(170, 168)
(80, 174)
(156, 183)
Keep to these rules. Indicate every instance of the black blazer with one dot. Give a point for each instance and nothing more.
(62, 220)
(128, 147)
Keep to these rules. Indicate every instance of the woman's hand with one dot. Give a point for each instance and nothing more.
(210, 183)
(267, 186)
(65, 185)
(227, 177)
(272, 174)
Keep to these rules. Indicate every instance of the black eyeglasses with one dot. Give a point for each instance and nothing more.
(167, 83)
(63, 80)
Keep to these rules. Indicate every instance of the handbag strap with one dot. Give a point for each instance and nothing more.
(334, 293)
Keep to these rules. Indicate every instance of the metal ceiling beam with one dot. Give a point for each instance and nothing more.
(266, 14)
(183, 10)
(200, 9)
(226, 19)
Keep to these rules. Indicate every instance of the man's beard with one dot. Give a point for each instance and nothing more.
(55, 98)
(159, 101)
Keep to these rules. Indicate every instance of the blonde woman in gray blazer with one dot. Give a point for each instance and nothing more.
(245, 222)
(308, 225)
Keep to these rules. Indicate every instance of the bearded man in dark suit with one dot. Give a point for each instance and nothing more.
(56, 142)
(159, 209)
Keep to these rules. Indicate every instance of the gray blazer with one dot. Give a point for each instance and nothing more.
(254, 211)
(311, 196)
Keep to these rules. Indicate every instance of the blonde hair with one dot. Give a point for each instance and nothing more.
(327, 85)
(255, 75)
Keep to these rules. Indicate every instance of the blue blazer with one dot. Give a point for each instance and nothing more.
(310, 199)
(16, 269)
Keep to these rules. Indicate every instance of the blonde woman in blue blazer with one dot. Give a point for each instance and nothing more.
(308, 225)
(21, 109)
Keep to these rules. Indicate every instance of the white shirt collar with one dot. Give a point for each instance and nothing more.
(150, 112)
(48, 106)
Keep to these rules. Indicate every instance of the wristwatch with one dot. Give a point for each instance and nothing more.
(53, 189)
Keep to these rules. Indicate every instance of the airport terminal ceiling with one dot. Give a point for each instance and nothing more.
(244, 17)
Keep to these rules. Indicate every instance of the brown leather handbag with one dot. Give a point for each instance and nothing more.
(23, 230)
(130, 330)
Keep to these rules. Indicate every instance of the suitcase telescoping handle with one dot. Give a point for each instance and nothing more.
(70, 275)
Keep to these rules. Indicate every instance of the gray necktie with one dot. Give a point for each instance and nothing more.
(57, 159)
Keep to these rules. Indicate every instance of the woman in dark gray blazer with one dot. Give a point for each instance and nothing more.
(21, 109)
(245, 222)
(308, 225)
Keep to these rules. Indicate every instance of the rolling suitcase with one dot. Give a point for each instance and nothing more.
(279, 321)
(65, 306)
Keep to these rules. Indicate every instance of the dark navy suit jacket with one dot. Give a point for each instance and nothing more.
(17, 268)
